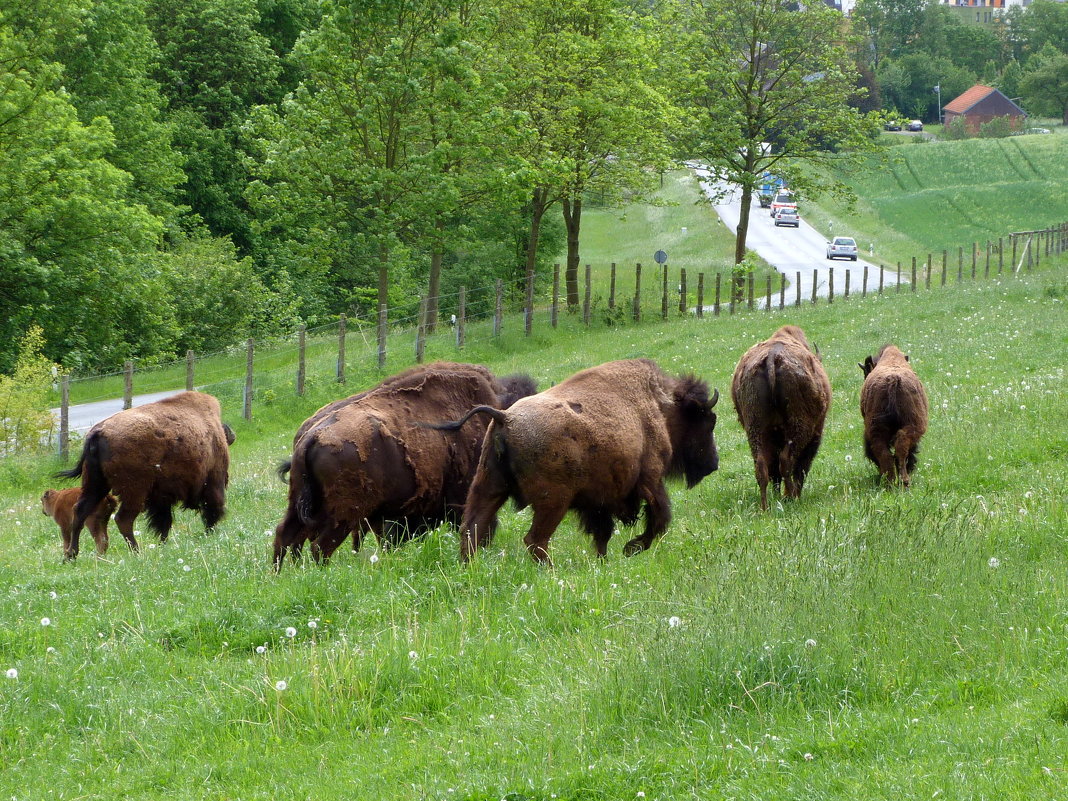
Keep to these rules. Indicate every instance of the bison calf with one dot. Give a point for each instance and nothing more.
(893, 404)
(59, 505)
(782, 395)
(600, 443)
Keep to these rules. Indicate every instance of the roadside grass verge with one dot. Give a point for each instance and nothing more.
(860, 643)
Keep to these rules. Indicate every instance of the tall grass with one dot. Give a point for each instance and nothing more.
(859, 643)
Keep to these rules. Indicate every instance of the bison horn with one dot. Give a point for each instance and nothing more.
(715, 398)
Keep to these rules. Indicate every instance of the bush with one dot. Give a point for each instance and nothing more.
(956, 129)
(26, 423)
(997, 128)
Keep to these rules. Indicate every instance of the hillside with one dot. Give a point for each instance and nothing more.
(860, 643)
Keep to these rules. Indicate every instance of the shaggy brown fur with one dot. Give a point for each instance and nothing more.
(600, 443)
(782, 396)
(59, 505)
(893, 404)
(364, 462)
(153, 457)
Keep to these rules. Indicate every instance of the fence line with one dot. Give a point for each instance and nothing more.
(1027, 250)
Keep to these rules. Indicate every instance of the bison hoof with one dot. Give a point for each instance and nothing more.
(635, 546)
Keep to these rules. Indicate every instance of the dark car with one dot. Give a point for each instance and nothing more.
(893, 125)
(788, 217)
(915, 125)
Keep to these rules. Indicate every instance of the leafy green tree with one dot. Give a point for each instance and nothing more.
(890, 27)
(1043, 22)
(1045, 90)
(765, 75)
(25, 419)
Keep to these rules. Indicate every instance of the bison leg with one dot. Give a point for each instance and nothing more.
(599, 524)
(160, 516)
(657, 517)
(761, 460)
(91, 497)
(124, 519)
(905, 447)
(326, 543)
(880, 449)
(804, 464)
(547, 516)
(488, 493)
(98, 527)
(213, 506)
(288, 535)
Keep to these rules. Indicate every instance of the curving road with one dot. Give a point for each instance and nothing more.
(793, 250)
(84, 416)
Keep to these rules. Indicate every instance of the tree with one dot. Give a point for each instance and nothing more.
(1045, 90)
(890, 27)
(768, 94)
(25, 420)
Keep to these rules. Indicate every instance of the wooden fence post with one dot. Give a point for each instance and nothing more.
(986, 270)
(250, 349)
(797, 289)
(64, 417)
(554, 309)
(637, 311)
(664, 294)
(498, 307)
(715, 306)
(975, 255)
(342, 324)
(528, 306)
(782, 291)
(302, 333)
(944, 257)
(682, 291)
(830, 284)
(586, 299)
(383, 317)
(1001, 254)
(882, 272)
(864, 281)
(927, 276)
(767, 293)
(815, 281)
(190, 361)
(897, 286)
(751, 281)
(960, 263)
(700, 296)
(1012, 238)
(461, 319)
(127, 384)
(913, 273)
(845, 294)
(420, 331)
(612, 288)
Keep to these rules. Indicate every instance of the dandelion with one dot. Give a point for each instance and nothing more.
(261, 649)
(413, 655)
(312, 625)
(674, 621)
(45, 621)
(994, 562)
(1028, 494)
(50, 650)
(291, 632)
(280, 685)
(53, 595)
(374, 558)
(810, 643)
(641, 794)
(12, 673)
(849, 457)
(809, 757)
(186, 568)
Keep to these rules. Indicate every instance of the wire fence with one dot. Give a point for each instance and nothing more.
(337, 350)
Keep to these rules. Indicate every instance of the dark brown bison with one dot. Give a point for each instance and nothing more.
(59, 505)
(782, 396)
(893, 404)
(152, 457)
(364, 462)
(600, 443)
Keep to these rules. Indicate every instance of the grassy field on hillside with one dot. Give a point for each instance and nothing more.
(859, 643)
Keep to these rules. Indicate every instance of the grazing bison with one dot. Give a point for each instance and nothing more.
(893, 404)
(601, 443)
(364, 462)
(152, 457)
(59, 505)
(782, 395)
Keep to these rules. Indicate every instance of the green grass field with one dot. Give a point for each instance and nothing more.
(861, 643)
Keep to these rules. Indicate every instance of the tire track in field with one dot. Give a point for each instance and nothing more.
(1005, 152)
(1023, 153)
(897, 177)
(914, 175)
(966, 215)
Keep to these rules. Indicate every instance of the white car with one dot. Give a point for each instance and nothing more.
(842, 246)
(787, 217)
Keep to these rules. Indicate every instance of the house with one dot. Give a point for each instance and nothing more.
(981, 104)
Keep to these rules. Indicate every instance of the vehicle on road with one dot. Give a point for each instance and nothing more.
(769, 187)
(788, 217)
(892, 125)
(842, 247)
(915, 125)
(783, 200)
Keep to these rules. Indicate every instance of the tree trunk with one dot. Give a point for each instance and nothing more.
(572, 222)
(383, 303)
(738, 284)
(433, 290)
(537, 211)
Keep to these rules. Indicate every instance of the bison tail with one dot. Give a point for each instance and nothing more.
(456, 425)
(308, 499)
(73, 472)
(283, 470)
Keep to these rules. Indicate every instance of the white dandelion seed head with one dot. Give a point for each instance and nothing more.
(810, 643)
(261, 649)
(280, 685)
(291, 631)
(46, 621)
(1028, 494)
(849, 457)
(12, 673)
(186, 568)
(809, 757)
(674, 621)
(313, 624)
(53, 595)
(181, 561)
(373, 559)
(994, 562)
(413, 654)
(50, 650)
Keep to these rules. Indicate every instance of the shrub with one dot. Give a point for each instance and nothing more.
(956, 129)
(26, 423)
(997, 128)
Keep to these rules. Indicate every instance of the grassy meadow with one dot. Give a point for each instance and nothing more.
(861, 643)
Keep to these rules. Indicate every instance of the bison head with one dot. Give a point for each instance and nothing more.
(695, 444)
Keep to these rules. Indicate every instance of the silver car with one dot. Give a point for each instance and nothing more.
(844, 246)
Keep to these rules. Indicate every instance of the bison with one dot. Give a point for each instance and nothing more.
(59, 505)
(152, 457)
(600, 443)
(893, 404)
(782, 396)
(364, 462)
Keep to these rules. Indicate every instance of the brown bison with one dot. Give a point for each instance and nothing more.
(893, 404)
(782, 396)
(600, 443)
(59, 505)
(364, 462)
(152, 457)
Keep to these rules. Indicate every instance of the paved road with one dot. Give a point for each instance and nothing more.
(793, 250)
(84, 416)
